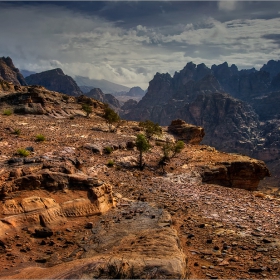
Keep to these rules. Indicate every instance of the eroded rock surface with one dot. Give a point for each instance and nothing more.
(188, 133)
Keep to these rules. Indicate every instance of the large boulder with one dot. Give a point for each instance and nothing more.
(190, 134)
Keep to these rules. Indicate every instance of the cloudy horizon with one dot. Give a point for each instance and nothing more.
(128, 42)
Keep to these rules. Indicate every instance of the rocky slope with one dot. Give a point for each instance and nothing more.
(55, 80)
(9, 72)
(65, 213)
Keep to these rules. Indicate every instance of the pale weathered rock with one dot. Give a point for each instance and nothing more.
(190, 134)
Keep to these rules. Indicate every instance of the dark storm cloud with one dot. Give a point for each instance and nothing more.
(128, 42)
(274, 37)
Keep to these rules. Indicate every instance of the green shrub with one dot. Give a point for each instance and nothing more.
(23, 152)
(108, 150)
(87, 108)
(150, 128)
(40, 138)
(17, 131)
(111, 117)
(110, 163)
(7, 112)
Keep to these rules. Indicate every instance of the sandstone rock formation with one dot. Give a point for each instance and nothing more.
(9, 72)
(55, 80)
(245, 174)
(190, 134)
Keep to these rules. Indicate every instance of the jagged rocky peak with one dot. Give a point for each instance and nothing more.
(10, 73)
(55, 80)
(224, 70)
(96, 93)
(272, 67)
(191, 72)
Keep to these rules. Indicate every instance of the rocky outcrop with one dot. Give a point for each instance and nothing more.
(50, 176)
(55, 80)
(9, 72)
(38, 100)
(244, 174)
(190, 134)
(140, 246)
(97, 94)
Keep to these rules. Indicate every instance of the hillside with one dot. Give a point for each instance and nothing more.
(55, 80)
(66, 214)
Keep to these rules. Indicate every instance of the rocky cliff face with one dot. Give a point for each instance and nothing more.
(229, 124)
(197, 94)
(9, 72)
(55, 80)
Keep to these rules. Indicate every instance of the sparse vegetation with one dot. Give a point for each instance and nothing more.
(87, 108)
(108, 150)
(120, 270)
(40, 138)
(7, 112)
(23, 152)
(150, 128)
(16, 131)
(111, 117)
(142, 146)
(169, 151)
(110, 163)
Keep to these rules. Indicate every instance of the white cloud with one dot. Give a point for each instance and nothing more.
(226, 5)
(46, 37)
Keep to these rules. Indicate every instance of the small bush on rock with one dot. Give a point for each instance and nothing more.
(7, 112)
(23, 152)
(110, 163)
(108, 150)
(17, 131)
(40, 138)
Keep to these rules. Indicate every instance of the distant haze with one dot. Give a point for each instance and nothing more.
(128, 42)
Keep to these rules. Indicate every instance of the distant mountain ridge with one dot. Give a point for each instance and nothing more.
(55, 80)
(229, 104)
(86, 84)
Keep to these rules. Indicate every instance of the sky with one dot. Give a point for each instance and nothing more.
(127, 42)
